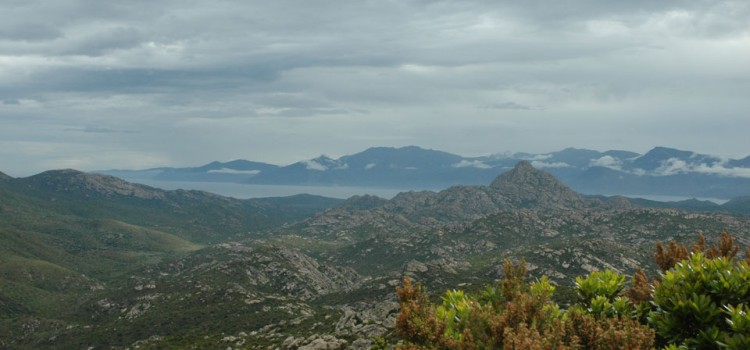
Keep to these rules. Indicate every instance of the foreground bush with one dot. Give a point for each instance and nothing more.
(701, 302)
(518, 315)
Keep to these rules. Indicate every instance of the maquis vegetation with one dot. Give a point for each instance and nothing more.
(699, 301)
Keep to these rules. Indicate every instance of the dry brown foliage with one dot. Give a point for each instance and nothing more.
(640, 290)
(524, 337)
(666, 258)
(522, 321)
(669, 257)
(416, 322)
(725, 248)
(610, 333)
(514, 277)
(699, 245)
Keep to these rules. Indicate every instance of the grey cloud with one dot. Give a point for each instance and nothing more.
(508, 105)
(289, 100)
(29, 32)
(697, 17)
(99, 130)
(335, 77)
(263, 40)
(101, 42)
(308, 112)
(139, 80)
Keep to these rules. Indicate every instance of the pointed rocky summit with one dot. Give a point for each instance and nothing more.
(526, 186)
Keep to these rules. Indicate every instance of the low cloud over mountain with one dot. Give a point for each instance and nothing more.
(661, 171)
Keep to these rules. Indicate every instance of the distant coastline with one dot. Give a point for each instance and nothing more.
(245, 191)
(667, 198)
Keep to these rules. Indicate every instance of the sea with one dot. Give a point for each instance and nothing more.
(666, 198)
(245, 191)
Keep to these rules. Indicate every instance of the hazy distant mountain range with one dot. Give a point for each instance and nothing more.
(661, 171)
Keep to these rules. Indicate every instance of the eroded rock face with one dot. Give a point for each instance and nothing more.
(314, 342)
(414, 266)
(275, 269)
(368, 320)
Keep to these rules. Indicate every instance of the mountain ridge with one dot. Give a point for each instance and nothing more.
(412, 167)
(88, 184)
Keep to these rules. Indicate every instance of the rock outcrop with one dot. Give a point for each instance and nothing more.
(528, 187)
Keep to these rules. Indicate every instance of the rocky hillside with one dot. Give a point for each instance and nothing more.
(523, 187)
(326, 281)
(79, 184)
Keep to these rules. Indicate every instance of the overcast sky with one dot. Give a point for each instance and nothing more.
(142, 83)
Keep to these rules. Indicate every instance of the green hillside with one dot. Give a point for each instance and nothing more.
(93, 261)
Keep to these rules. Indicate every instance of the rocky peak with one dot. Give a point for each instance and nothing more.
(526, 186)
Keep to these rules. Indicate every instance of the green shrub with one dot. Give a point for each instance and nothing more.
(700, 303)
(607, 284)
(519, 315)
(739, 323)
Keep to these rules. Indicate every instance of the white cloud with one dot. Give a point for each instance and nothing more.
(607, 162)
(471, 164)
(370, 166)
(313, 165)
(722, 170)
(540, 157)
(674, 166)
(539, 164)
(234, 171)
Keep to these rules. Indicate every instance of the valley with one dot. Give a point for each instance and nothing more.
(91, 260)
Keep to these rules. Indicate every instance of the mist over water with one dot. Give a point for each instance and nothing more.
(245, 191)
(666, 198)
